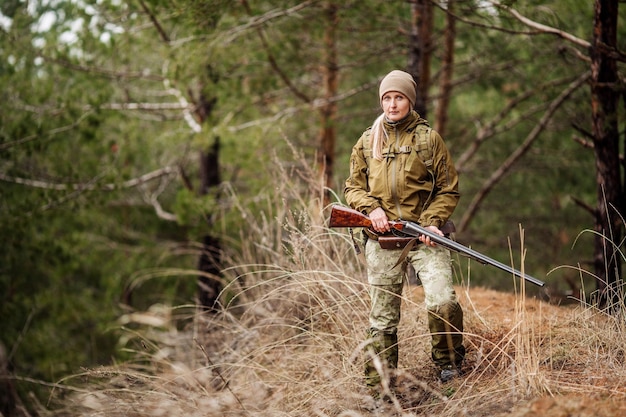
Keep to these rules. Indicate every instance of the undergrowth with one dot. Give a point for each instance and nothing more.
(289, 339)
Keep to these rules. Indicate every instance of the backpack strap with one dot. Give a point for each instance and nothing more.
(367, 149)
(423, 145)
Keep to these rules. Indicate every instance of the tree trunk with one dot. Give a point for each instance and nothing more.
(209, 263)
(328, 112)
(604, 100)
(9, 399)
(420, 48)
(447, 66)
(209, 283)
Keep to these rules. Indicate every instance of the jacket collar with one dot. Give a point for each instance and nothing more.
(411, 120)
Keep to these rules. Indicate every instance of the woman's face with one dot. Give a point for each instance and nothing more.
(395, 105)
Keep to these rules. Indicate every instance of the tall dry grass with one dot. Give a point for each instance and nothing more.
(289, 340)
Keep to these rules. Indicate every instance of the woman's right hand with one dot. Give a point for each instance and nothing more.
(380, 222)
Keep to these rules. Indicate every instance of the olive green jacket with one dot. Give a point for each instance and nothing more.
(401, 183)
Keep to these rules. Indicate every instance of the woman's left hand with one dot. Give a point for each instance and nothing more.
(426, 240)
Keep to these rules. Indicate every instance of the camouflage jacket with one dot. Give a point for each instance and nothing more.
(401, 183)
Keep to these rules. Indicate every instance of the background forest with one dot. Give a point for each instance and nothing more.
(153, 152)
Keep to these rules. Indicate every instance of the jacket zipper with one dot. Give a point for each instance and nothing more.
(394, 177)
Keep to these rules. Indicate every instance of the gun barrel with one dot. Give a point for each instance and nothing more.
(341, 216)
(417, 230)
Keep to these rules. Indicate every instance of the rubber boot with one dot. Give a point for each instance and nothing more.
(446, 326)
(385, 347)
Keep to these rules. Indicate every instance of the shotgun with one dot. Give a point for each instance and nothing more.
(341, 216)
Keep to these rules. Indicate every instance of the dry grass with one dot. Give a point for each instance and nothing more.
(289, 343)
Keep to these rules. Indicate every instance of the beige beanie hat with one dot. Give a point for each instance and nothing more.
(399, 81)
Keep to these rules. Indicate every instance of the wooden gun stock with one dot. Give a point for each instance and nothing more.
(341, 216)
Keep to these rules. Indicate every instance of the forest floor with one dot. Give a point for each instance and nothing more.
(297, 351)
(572, 364)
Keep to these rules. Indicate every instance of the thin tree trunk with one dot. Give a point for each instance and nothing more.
(9, 398)
(604, 100)
(328, 112)
(447, 66)
(420, 49)
(209, 263)
(209, 284)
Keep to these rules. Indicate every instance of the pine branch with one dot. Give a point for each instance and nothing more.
(541, 28)
(544, 28)
(272, 60)
(505, 167)
(90, 186)
(155, 22)
(105, 73)
(494, 127)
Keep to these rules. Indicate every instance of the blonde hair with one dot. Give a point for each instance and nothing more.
(379, 137)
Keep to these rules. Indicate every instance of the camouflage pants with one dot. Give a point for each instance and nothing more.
(445, 316)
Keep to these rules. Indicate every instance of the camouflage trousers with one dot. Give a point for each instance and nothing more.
(445, 316)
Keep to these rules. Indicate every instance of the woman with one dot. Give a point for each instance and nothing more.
(390, 179)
